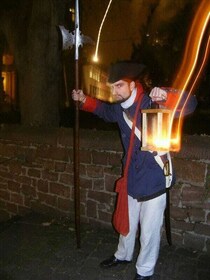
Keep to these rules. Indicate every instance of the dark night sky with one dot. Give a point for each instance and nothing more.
(124, 21)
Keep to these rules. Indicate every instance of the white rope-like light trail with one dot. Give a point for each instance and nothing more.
(95, 57)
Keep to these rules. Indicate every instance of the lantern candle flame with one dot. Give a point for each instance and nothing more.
(156, 135)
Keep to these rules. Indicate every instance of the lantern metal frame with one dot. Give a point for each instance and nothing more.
(156, 132)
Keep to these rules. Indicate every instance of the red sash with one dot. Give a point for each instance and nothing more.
(121, 216)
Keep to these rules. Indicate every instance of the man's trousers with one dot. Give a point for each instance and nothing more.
(149, 215)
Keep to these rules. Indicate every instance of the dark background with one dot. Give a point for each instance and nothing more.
(29, 31)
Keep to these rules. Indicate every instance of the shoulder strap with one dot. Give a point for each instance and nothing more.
(130, 148)
(130, 124)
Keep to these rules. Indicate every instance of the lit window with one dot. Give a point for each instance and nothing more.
(72, 13)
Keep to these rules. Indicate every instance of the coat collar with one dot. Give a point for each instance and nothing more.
(137, 91)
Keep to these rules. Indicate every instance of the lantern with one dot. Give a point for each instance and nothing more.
(156, 130)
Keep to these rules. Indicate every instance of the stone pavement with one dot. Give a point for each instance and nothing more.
(39, 248)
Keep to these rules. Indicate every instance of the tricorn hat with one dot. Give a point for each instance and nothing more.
(125, 70)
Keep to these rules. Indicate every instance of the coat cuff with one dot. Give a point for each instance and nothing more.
(172, 98)
(89, 105)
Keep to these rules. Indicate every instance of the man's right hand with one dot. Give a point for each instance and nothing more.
(78, 95)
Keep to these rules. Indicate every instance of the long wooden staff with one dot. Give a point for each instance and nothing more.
(76, 39)
(76, 130)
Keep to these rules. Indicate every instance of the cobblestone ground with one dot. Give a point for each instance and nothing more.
(38, 248)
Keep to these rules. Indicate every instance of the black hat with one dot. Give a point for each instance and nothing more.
(125, 70)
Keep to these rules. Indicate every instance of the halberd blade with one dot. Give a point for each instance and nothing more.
(67, 37)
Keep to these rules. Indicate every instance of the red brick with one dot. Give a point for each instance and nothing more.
(110, 182)
(91, 209)
(27, 201)
(3, 168)
(206, 202)
(15, 168)
(69, 168)
(32, 172)
(24, 171)
(58, 154)
(85, 156)
(16, 198)
(83, 211)
(14, 186)
(208, 219)
(208, 245)
(8, 150)
(113, 170)
(65, 137)
(86, 183)
(42, 185)
(179, 213)
(3, 180)
(190, 171)
(98, 184)
(2, 204)
(49, 175)
(59, 189)
(3, 186)
(22, 210)
(175, 195)
(115, 159)
(48, 199)
(52, 153)
(109, 206)
(42, 207)
(24, 180)
(4, 194)
(30, 155)
(28, 190)
(11, 207)
(72, 192)
(202, 229)
(70, 154)
(94, 171)
(183, 226)
(100, 158)
(193, 196)
(196, 215)
(6, 175)
(64, 204)
(100, 197)
(83, 195)
(82, 170)
(60, 166)
(66, 178)
(47, 164)
(104, 216)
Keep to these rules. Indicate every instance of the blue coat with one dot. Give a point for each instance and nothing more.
(146, 179)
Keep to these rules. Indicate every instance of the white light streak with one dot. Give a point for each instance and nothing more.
(95, 57)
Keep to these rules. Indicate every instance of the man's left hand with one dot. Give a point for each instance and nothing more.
(158, 94)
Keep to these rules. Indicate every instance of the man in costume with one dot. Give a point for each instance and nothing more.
(146, 182)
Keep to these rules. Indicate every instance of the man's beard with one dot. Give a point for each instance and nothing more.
(120, 101)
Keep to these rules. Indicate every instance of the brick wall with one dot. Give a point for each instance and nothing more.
(36, 171)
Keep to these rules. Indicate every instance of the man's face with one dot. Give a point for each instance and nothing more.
(121, 90)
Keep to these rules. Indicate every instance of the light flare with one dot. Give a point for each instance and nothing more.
(95, 57)
(189, 63)
(171, 140)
